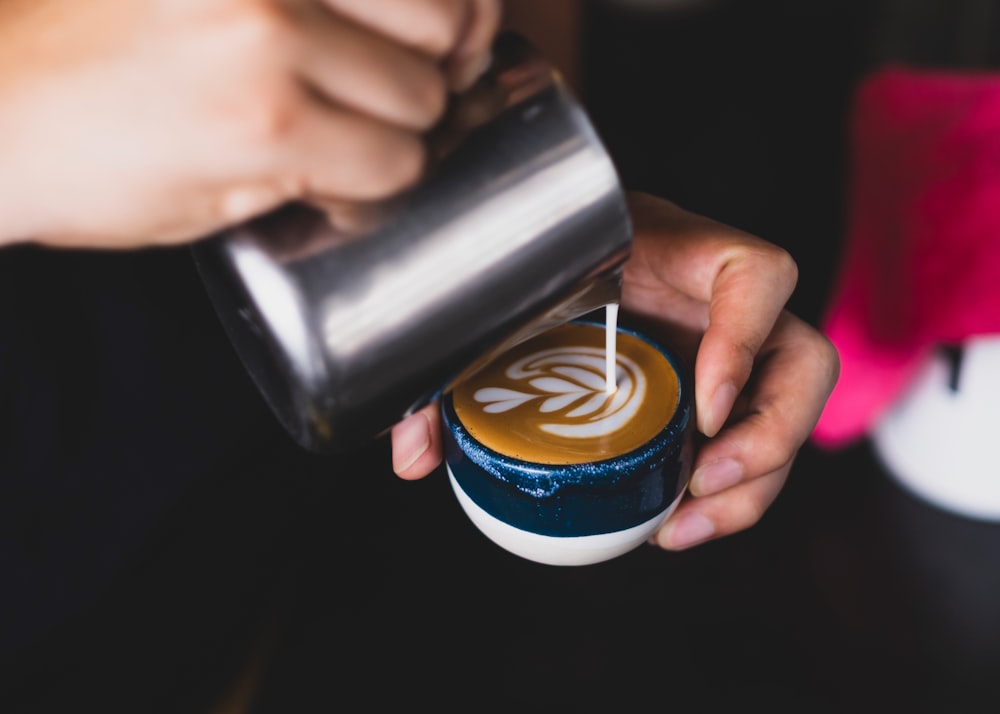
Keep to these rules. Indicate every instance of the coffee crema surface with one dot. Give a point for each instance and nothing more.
(546, 399)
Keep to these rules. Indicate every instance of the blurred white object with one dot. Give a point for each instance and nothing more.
(941, 439)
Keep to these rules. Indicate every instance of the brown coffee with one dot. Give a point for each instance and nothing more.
(546, 400)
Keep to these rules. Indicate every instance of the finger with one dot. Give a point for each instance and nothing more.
(472, 55)
(793, 377)
(741, 315)
(416, 444)
(434, 27)
(743, 283)
(310, 150)
(698, 520)
(362, 70)
(377, 160)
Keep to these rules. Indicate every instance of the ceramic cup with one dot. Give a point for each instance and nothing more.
(551, 465)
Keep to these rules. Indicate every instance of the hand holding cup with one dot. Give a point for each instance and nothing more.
(761, 375)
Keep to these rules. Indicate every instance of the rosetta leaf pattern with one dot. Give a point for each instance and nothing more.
(570, 381)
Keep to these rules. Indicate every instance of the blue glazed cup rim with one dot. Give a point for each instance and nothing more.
(539, 478)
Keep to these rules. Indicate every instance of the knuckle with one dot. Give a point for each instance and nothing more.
(785, 265)
(829, 356)
(268, 118)
(834, 357)
(771, 261)
(777, 455)
(817, 349)
(258, 27)
(781, 264)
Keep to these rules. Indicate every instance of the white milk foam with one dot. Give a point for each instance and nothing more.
(610, 346)
(574, 380)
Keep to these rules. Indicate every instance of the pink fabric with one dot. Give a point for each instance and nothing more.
(921, 264)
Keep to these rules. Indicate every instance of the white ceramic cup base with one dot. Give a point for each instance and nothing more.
(553, 550)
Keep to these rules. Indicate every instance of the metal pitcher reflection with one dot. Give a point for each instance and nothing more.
(520, 224)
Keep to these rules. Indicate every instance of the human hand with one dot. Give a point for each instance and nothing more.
(762, 375)
(132, 122)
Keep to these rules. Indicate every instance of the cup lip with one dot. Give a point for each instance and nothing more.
(541, 478)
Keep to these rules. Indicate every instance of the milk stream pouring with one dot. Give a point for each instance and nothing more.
(520, 224)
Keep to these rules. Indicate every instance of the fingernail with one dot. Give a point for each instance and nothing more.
(410, 439)
(716, 476)
(719, 408)
(689, 529)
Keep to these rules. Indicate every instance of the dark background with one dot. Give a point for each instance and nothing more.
(162, 537)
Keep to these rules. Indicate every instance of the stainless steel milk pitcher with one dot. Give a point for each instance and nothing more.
(521, 224)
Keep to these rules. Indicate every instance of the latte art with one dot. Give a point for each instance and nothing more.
(547, 401)
(569, 384)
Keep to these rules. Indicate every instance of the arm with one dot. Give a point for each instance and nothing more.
(131, 122)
